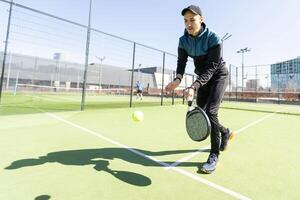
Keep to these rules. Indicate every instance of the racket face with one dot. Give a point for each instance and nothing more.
(197, 125)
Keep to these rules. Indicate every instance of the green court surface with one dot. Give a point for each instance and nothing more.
(52, 150)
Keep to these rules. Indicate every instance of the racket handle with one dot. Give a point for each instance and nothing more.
(189, 98)
(190, 101)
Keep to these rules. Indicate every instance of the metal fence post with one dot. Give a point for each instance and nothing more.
(236, 84)
(278, 95)
(256, 84)
(163, 79)
(86, 58)
(132, 75)
(5, 48)
(229, 82)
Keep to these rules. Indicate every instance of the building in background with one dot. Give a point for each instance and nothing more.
(253, 85)
(285, 76)
(36, 71)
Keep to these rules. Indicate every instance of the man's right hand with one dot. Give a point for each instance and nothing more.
(189, 93)
(171, 86)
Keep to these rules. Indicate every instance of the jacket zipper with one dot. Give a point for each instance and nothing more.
(195, 46)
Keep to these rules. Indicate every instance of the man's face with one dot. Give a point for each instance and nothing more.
(192, 23)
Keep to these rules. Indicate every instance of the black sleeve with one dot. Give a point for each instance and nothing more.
(213, 63)
(181, 61)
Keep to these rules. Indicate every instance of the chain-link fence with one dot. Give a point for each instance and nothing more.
(43, 53)
(276, 83)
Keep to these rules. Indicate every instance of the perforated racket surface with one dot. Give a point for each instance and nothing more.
(197, 124)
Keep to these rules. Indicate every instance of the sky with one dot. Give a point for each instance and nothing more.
(270, 28)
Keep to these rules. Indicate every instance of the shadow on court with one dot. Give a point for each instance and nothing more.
(98, 158)
(42, 197)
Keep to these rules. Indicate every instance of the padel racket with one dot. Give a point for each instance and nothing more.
(197, 123)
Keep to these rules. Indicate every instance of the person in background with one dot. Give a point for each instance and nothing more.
(139, 90)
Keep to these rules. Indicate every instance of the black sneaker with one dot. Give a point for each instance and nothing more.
(210, 164)
(225, 138)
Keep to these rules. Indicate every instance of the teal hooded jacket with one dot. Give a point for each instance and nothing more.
(205, 50)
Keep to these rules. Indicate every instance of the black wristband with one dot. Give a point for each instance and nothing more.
(197, 84)
(177, 78)
(192, 87)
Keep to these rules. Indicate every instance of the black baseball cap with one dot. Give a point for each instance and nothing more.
(193, 9)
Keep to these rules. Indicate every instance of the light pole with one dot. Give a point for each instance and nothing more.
(100, 69)
(267, 77)
(139, 76)
(242, 51)
(225, 37)
(291, 82)
(57, 58)
(8, 72)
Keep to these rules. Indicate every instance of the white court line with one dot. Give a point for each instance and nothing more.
(45, 98)
(180, 171)
(54, 98)
(66, 98)
(257, 121)
(187, 157)
(207, 147)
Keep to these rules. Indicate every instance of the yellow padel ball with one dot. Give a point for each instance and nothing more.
(137, 116)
